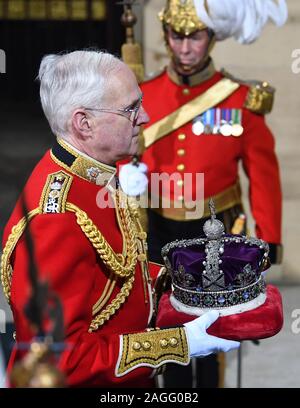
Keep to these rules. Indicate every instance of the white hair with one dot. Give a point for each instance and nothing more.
(73, 80)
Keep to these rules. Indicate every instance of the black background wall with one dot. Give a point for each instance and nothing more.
(26, 41)
(24, 132)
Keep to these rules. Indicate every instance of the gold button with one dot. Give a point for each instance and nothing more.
(181, 152)
(163, 343)
(142, 235)
(180, 183)
(142, 258)
(146, 345)
(136, 346)
(186, 91)
(180, 167)
(180, 198)
(181, 136)
(173, 342)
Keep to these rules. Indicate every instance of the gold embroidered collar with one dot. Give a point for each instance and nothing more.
(70, 158)
(192, 80)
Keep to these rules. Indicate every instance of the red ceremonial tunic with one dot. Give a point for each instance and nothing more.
(67, 260)
(215, 155)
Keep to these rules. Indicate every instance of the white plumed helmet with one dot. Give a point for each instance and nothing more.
(240, 19)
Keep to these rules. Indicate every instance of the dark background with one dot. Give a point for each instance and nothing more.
(24, 132)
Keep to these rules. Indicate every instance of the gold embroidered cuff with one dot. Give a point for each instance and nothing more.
(152, 349)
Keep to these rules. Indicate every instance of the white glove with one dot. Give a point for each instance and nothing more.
(202, 344)
(133, 179)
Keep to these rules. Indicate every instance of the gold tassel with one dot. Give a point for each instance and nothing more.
(239, 225)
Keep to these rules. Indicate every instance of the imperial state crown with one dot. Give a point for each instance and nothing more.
(217, 271)
(223, 272)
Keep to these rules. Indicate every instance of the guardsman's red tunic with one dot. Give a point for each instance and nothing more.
(215, 155)
(66, 218)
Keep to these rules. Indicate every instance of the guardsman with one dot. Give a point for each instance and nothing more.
(206, 122)
(88, 242)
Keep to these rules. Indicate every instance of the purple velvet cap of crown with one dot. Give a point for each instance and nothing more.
(241, 262)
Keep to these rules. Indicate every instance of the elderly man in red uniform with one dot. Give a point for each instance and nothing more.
(89, 244)
(205, 122)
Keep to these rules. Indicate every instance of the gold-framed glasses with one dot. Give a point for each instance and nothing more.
(131, 112)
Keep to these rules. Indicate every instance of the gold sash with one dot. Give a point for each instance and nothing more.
(214, 95)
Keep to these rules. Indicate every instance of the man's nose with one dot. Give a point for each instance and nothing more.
(143, 117)
(185, 46)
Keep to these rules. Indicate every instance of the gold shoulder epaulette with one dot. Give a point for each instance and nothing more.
(55, 192)
(153, 75)
(260, 97)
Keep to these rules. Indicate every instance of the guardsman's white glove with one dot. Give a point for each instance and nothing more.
(133, 179)
(202, 344)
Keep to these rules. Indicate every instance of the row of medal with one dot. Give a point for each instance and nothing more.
(227, 122)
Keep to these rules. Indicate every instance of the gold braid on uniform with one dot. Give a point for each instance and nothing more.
(115, 305)
(16, 233)
(123, 267)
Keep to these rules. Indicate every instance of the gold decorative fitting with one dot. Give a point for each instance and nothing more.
(173, 342)
(142, 235)
(180, 152)
(260, 98)
(142, 258)
(180, 183)
(181, 136)
(157, 353)
(147, 345)
(181, 167)
(164, 343)
(137, 346)
(181, 16)
(186, 91)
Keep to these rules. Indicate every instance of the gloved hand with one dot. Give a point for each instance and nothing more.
(202, 344)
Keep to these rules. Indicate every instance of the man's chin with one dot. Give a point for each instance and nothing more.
(134, 146)
(185, 69)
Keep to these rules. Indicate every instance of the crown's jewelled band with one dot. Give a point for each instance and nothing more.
(219, 299)
(184, 243)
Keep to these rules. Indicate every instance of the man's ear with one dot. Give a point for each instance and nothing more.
(81, 123)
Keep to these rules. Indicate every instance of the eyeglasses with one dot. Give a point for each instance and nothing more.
(130, 113)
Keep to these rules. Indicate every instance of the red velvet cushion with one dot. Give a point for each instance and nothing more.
(260, 323)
